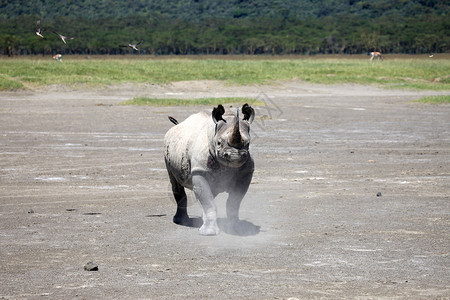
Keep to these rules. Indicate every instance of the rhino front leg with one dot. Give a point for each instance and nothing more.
(233, 204)
(235, 197)
(204, 195)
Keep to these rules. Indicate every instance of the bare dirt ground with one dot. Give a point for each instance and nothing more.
(83, 179)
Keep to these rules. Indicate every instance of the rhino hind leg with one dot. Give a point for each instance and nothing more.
(181, 216)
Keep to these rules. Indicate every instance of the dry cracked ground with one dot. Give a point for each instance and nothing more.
(350, 197)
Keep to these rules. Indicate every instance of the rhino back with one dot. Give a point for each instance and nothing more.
(186, 146)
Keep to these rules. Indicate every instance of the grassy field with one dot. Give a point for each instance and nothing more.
(412, 72)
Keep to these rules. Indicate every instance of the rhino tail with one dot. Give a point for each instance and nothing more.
(173, 120)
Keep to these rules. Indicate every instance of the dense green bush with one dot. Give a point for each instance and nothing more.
(226, 27)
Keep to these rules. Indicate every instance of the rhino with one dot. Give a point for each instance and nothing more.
(209, 154)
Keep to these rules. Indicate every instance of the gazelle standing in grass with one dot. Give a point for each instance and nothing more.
(375, 54)
(58, 57)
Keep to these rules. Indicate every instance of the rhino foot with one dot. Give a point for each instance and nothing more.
(181, 219)
(212, 229)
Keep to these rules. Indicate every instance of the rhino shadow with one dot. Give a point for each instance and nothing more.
(192, 222)
(242, 228)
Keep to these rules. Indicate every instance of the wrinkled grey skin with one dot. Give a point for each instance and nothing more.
(209, 154)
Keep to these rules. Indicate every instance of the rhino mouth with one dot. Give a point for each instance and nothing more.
(233, 157)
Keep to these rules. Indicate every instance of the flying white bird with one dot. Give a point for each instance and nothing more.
(62, 37)
(132, 46)
(38, 29)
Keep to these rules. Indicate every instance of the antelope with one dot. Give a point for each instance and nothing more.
(376, 54)
(57, 57)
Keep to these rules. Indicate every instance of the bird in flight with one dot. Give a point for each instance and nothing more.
(62, 37)
(132, 46)
(38, 29)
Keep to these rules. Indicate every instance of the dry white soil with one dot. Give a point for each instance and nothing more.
(83, 179)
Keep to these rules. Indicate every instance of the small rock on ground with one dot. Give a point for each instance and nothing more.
(91, 266)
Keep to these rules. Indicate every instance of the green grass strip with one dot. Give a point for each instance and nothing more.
(186, 102)
(425, 74)
(435, 99)
(9, 84)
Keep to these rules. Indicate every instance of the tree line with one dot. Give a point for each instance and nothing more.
(163, 35)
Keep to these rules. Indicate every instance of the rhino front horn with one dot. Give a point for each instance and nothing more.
(235, 139)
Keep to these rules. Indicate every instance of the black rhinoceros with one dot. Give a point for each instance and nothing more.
(209, 154)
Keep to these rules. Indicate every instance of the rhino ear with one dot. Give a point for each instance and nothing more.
(249, 112)
(217, 114)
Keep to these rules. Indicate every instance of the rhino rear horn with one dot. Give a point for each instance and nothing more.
(249, 112)
(217, 114)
